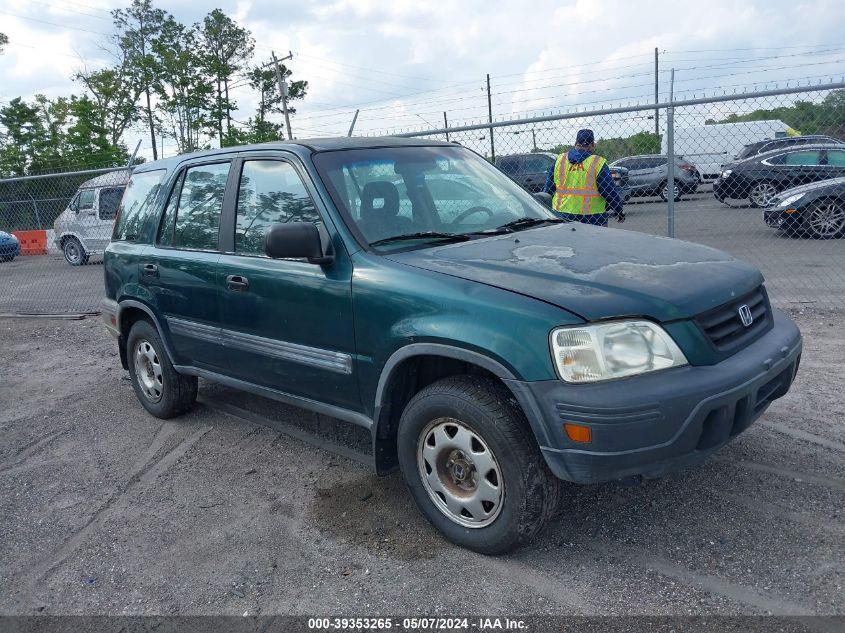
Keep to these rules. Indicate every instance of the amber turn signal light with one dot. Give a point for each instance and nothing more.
(578, 433)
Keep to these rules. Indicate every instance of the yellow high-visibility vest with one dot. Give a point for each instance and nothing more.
(575, 186)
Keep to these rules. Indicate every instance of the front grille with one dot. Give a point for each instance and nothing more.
(723, 325)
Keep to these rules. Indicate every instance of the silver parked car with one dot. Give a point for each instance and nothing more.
(648, 175)
(84, 227)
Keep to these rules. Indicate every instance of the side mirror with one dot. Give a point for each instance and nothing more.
(544, 198)
(298, 240)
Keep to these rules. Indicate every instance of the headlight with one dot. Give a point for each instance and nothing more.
(790, 200)
(591, 353)
(726, 173)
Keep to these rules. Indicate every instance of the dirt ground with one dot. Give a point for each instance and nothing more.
(232, 509)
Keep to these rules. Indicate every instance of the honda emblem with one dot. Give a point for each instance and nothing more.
(745, 315)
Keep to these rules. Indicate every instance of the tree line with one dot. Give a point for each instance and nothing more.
(171, 80)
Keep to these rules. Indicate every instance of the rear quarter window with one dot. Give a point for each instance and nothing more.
(137, 205)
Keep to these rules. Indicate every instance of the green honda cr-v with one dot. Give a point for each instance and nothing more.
(409, 287)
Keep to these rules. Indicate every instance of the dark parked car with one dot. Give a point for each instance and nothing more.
(490, 349)
(648, 175)
(787, 142)
(813, 210)
(10, 247)
(531, 171)
(761, 178)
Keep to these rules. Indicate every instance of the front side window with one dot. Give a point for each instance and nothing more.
(270, 192)
(388, 192)
(86, 200)
(137, 204)
(538, 164)
(200, 204)
(509, 165)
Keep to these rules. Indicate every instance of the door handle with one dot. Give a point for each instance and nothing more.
(237, 282)
(150, 270)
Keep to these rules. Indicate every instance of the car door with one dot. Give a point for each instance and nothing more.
(834, 163)
(287, 323)
(83, 223)
(636, 173)
(107, 202)
(180, 271)
(801, 167)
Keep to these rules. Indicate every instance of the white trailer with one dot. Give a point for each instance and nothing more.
(709, 147)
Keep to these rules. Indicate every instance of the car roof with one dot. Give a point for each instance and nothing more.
(117, 178)
(303, 147)
(802, 148)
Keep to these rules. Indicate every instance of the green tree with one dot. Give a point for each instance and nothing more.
(137, 28)
(115, 95)
(227, 47)
(23, 126)
(87, 139)
(184, 95)
(4, 39)
(619, 147)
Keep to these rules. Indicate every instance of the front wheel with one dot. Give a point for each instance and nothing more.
(762, 194)
(473, 466)
(74, 252)
(826, 219)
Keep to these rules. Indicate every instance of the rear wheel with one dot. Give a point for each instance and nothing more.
(473, 467)
(762, 194)
(74, 252)
(826, 219)
(162, 391)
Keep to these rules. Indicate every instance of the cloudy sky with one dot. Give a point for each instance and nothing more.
(404, 63)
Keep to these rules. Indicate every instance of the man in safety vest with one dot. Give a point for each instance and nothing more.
(581, 185)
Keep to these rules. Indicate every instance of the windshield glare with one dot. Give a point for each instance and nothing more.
(394, 191)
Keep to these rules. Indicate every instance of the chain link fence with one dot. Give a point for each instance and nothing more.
(737, 161)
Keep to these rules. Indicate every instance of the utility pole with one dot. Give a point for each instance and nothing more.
(283, 88)
(656, 98)
(354, 119)
(490, 119)
(446, 126)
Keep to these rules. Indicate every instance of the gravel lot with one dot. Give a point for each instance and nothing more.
(232, 509)
(799, 272)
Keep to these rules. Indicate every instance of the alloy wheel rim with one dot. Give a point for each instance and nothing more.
(460, 473)
(827, 220)
(148, 372)
(675, 189)
(763, 193)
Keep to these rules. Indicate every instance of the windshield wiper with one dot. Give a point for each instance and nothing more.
(422, 235)
(524, 223)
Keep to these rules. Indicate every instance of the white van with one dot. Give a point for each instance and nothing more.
(84, 227)
(710, 147)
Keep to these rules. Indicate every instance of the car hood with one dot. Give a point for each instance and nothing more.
(595, 272)
(833, 183)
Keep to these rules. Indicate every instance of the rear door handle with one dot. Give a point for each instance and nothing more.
(150, 270)
(237, 282)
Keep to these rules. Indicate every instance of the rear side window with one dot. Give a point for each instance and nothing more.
(538, 163)
(200, 204)
(509, 165)
(836, 158)
(802, 158)
(270, 192)
(109, 202)
(137, 204)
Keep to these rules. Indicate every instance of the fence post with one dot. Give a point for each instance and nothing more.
(35, 208)
(670, 158)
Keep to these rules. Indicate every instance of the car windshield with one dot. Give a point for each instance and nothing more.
(423, 195)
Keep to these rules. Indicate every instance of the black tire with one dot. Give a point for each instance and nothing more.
(162, 391)
(825, 219)
(487, 412)
(664, 193)
(761, 193)
(74, 252)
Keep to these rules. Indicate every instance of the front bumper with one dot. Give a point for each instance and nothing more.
(653, 424)
(779, 218)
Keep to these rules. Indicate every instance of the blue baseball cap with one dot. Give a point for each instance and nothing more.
(585, 137)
